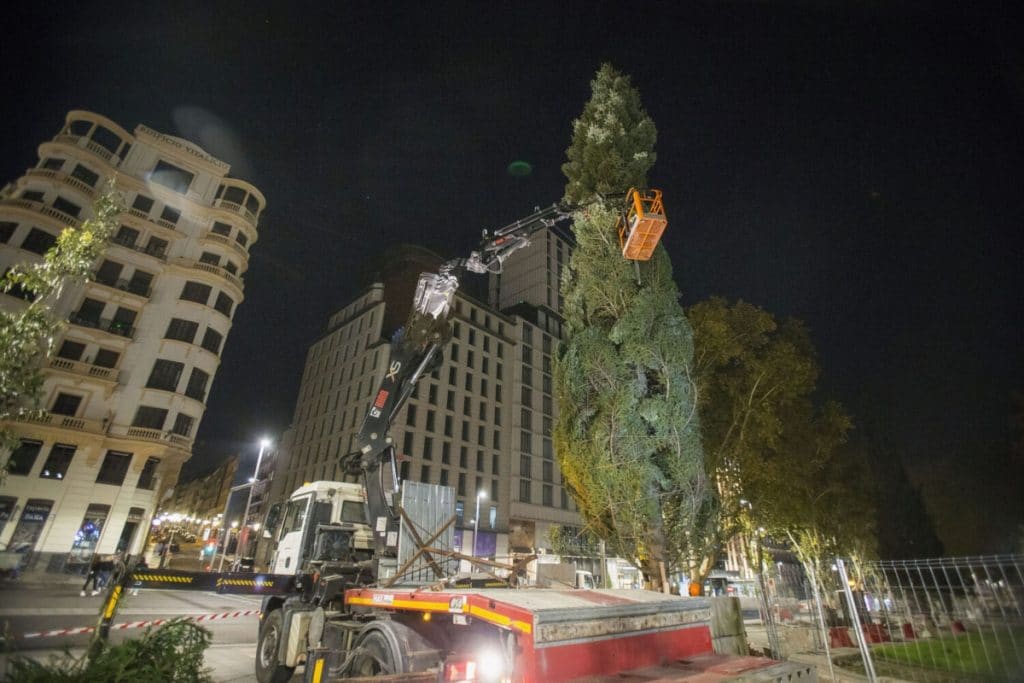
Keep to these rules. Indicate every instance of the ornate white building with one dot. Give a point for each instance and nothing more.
(127, 386)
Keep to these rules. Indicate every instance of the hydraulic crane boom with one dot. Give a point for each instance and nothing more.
(416, 350)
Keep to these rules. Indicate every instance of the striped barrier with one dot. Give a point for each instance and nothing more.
(137, 624)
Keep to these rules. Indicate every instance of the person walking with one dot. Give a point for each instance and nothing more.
(91, 576)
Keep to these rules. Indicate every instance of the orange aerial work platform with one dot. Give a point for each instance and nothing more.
(641, 226)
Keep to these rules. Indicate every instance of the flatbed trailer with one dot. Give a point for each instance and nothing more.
(535, 636)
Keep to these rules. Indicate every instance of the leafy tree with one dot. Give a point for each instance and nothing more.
(627, 439)
(28, 332)
(776, 457)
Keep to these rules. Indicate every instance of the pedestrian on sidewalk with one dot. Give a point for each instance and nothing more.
(91, 576)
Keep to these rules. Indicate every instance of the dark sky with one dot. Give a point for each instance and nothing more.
(856, 165)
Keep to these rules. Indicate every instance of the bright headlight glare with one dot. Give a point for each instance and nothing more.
(490, 665)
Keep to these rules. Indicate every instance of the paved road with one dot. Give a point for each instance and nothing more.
(28, 608)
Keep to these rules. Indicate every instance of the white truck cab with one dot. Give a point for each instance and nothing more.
(335, 503)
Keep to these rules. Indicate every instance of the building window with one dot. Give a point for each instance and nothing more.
(460, 508)
(210, 258)
(524, 466)
(548, 496)
(170, 215)
(182, 330)
(32, 195)
(548, 469)
(403, 470)
(197, 292)
(444, 478)
(157, 247)
(149, 417)
(89, 313)
(211, 340)
(114, 468)
(52, 164)
(524, 490)
(23, 458)
(7, 229)
(88, 535)
(410, 415)
(148, 477)
(224, 304)
(461, 489)
(105, 358)
(165, 375)
(183, 425)
(446, 453)
(241, 238)
(142, 203)
(407, 445)
(85, 175)
(425, 474)
(428, 448)
(221, 229)
(171, 176)
(64, 206)
(462, 457)
(126, 237)
(71, 350)
(196, 387)
(66, 404)
(38, 241)
(57, 463)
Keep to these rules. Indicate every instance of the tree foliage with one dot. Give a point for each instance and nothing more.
(28, 332)
(172, 653)
(627, 438)
(778, 459)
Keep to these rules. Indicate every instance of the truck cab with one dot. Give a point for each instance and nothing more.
(335, 504)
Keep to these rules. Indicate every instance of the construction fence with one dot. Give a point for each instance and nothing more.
(933, 620)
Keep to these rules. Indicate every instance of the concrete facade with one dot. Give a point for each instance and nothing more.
(126, 389)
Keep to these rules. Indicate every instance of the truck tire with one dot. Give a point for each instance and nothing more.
(376, 656)
(267, 668)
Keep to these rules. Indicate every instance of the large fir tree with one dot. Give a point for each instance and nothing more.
(627, 438)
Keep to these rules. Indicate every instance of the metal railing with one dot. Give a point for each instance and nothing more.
(918, 620)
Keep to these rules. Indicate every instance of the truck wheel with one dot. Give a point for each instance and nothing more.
(267, 668)
(376, 656)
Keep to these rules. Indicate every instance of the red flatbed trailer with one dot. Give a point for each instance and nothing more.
(556, 636)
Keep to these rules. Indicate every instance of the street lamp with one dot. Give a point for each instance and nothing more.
(264, 445)
(476, 520)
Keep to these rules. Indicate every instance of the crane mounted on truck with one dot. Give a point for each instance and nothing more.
(334, 602)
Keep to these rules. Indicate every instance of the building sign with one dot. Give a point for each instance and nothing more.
(183, 145)
(36, 511)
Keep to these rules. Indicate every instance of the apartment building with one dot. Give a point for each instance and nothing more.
(126, 390)
(481, 423)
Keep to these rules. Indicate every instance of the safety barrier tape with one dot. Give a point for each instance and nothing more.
(137, 624)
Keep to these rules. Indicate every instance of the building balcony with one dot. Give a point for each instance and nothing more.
(159, 254)
(151, 435)
(64, 422)
(63, 178)
(210, 268)
(236, 209)
(120, 329)
(45, 209)
(84, 369)
(87, 144)
(227, 242)
(123, 285)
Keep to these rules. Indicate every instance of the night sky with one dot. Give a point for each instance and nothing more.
(855, 165)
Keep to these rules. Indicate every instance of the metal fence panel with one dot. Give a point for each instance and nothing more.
(945, 619)
(429, 507)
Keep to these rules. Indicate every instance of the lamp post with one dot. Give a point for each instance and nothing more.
(476, 520)
(264, 444)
